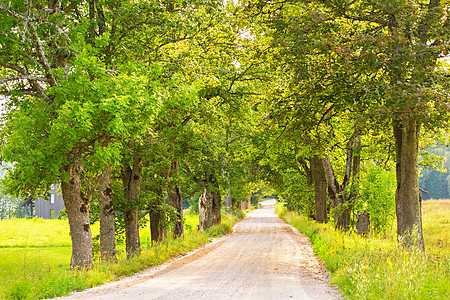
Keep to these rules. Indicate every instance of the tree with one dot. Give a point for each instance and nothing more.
(65, 108)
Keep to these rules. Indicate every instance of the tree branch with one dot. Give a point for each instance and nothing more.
(23, 77)
(41, 54)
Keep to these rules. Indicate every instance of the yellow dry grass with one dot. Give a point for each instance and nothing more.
(436, 226)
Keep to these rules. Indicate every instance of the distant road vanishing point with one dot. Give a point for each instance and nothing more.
(263, 259)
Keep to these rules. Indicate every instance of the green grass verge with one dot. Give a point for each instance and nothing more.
(376, 267)
(35, 267)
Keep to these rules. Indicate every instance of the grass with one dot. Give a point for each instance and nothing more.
(35, 256)
(375, 267)
(436, 227)
(34, 233)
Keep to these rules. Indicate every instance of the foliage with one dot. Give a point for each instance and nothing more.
(375, 267)
(378, 198)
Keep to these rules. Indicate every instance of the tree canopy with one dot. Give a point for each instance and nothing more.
(139, 101)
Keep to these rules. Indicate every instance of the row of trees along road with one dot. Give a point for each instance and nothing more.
(127, 103)
(345, 72)
(123, 103)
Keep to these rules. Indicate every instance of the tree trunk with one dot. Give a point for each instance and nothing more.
(210, 205)
(245, 204)
(175, 200)
(340, 200)
(205, 203)
(343, 215)
(407, 200)
(216, 208)
(132, 239)
(158, 232)
(335, 193)
(131, 177)
(362, 222)
(320, 188)
(107, 227)
(234, 204)
(77, 206)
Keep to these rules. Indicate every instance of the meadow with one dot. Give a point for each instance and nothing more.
(375, 267)
(35, 256)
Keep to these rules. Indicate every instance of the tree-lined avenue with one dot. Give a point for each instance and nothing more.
(263, 259)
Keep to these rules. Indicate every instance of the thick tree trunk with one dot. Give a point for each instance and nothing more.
(407, 198)
(77, 207)
(320, 188)
(205, 203)
(107, 215)
(132, 239)
(175, 200)
(210, 205)
(158, 232)
(131, 176)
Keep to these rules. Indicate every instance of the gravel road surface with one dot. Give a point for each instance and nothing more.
(263, 259)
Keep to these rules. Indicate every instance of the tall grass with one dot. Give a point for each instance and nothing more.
(35, 267)
(375, 267)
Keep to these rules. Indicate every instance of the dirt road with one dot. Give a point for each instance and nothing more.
(264, 259)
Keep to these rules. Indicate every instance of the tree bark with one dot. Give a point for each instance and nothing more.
(205, 203)
(362, 222)
(131, 176)
(245, 204)
(407, 197)
(336, 195)
(175, 200)
(107, 216)
(216, 208)
(158, 233)
(320, 188)
(210, 205)
(77, 206)
(340, 200)
(132, 239)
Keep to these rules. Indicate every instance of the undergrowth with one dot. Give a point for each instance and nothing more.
(375, 267)
(33, 277)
